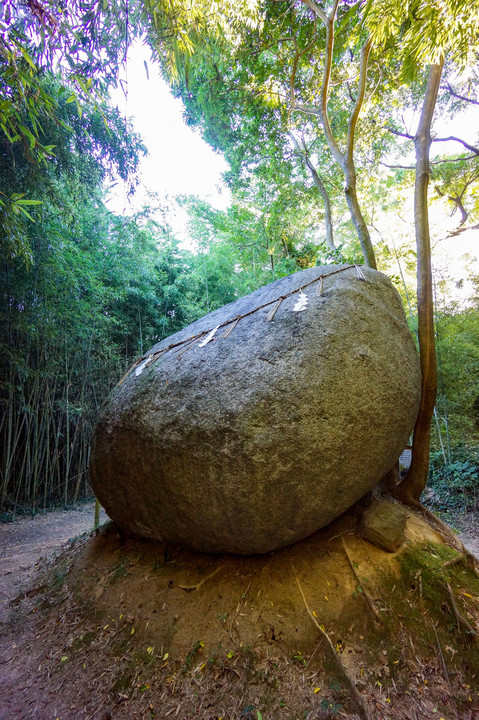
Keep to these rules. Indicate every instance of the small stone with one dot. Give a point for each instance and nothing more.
(384, 525)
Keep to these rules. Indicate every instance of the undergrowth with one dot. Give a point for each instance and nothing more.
(453, 487)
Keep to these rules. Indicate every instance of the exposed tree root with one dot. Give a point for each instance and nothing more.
(367, 597)
(364, 712)
(454, 561)
(189, 588)
(461, 620)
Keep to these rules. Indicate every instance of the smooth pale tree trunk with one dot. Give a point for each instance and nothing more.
(328, 215)
(345, 159)
(415, 481)
(357, 217)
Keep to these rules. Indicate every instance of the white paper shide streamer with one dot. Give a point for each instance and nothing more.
(142, 366)
(209, 337)
(301, 302)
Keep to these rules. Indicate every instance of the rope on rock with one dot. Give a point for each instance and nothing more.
(147, 360)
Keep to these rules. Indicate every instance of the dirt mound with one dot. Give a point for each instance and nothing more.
(119, 628)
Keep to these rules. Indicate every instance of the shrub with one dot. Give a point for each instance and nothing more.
(454, 486)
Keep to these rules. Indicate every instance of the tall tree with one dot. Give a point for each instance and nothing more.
(344, 158)
(427, 33)
(291, 84)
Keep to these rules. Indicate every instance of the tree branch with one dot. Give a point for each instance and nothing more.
(328, 215)
(462, 142)
(451, 138)
(308, 109)
(457, 200)
(461, 97)
(328, 59)
(299, 54)
(345, 160)
(398, 132)
(313, 5)
(363, 70)
(433, 162)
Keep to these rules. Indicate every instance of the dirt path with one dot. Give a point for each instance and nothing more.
(24, 541)
(466, 526)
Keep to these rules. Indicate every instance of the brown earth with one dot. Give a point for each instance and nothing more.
(24, 541)
(117, 628)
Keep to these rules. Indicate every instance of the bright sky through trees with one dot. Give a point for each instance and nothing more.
(179, 161)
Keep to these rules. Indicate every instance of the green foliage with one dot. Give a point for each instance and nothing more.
(458, 371)
(249, 249)
(85, 150)
(84, 42)
(177, 28)
(426, 30)
(83, 39)
(82, 293)
(237, 93)
(454, 487)
(100, 292)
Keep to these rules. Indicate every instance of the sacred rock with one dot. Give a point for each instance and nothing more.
(263, 421)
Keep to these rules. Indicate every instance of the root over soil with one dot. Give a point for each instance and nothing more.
(117, 628)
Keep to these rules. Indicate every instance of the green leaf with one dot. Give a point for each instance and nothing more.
(29, 135)
(352, 12)
(21, 209)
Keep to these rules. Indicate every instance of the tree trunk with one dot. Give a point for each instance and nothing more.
(357, 217)
(415, 481)
(345, 160)
(328, 215)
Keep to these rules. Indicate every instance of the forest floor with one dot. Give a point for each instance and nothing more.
(113, 628)
(24, 541)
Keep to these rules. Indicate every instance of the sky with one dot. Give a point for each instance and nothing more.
(179, 161)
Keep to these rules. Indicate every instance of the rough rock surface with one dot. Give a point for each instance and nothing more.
(384, 525)
(258, 439)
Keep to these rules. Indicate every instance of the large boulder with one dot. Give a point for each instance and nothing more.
(254, 438)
